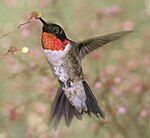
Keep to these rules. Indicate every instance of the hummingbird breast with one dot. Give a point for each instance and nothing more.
(65, 64)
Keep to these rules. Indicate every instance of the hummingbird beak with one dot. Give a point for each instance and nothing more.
(44, 23)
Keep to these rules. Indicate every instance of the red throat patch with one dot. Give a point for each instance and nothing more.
(51, 42)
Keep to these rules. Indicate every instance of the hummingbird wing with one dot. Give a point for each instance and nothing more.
(88, 45)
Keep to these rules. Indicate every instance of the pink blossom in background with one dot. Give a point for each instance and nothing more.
(109, 83)
(96, 55)
(128, 25)
(118, 79)
(137, 85)
(145, 113)
(98, 85)
(10, 60)
(112, 10)
(40, 108)
(121, 110)
(103, 75)
(9, 111)
(6, 108)
(52, 90)
(25, 33)
(138, 88)
(12, 115)
(116, 91)
(93, 127)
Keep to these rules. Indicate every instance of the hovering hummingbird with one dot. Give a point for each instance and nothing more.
(74, 97)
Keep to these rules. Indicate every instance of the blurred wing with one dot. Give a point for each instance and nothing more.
(86, 46)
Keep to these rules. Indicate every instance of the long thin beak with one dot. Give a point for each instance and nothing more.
(44, 23)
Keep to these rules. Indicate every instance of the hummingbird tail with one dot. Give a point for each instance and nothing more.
(91, 102)
(62, 107)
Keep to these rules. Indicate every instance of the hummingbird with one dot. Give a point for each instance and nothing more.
(74, 97)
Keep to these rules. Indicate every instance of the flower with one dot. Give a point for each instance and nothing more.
(25, 50)
(12, 115)
(25, 33)
(40, 108)
(118, 79)
(98, 85)
(96, 55)
(128, 25)
(112, 10)
(144, 113)
(121, 110)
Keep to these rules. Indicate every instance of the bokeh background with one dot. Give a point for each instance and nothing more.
(119, 73)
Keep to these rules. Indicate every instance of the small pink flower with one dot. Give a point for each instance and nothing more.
(11, 61)
(121, 110)
(138, 88)
(93, 127)
(116, 91)
(109, 83)
(96, 55)
(98, 85)
(25, 33)
(112, 10)
(41, 108)
(52, 90)
(145, 113)
(118, 79)
(12, 115)
(103, 75)
(128, 25)
(6, 108)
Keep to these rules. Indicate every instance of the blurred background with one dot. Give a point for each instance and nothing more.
(119, 73)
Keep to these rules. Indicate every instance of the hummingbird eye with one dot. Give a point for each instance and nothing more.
(57, 31)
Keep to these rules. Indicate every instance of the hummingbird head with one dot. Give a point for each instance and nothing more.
(54, 29)
(53, 36)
